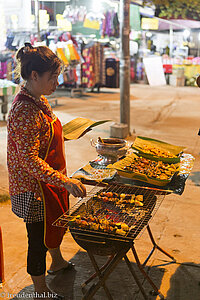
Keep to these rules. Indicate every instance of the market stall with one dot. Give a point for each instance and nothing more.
(78, 36)
(130, 184)
(7, 88)
(181, 71)
(102, 227)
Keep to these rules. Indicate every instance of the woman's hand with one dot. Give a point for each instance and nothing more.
(76, 188)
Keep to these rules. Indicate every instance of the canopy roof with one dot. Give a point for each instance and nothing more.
(178, 24)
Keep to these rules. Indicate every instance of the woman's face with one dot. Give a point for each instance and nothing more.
(46, 83)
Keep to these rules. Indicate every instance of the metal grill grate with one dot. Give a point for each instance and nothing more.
(136, 217)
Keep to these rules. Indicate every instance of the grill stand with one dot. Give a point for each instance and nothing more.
(155, 246)
(112, 262)
(115, 248)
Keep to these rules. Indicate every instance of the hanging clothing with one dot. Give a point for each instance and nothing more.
(6, 65)
(3, 70)
(87, 68)
(110, 24)
(93, 68)
(115, 25)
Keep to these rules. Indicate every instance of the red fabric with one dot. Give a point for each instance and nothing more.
(1, 259)
(167, 69)
(56, 200)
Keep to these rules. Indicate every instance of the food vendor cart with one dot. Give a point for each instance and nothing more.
(122, 203)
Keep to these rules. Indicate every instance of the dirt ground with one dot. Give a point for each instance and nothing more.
(167, 113)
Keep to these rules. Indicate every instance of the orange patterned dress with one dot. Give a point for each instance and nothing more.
(29, 132)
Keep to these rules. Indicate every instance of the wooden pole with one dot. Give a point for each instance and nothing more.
(37, 19)
(125, 63)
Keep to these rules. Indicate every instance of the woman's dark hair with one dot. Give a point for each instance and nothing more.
(40, 59)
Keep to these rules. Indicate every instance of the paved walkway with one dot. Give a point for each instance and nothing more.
(168, 113)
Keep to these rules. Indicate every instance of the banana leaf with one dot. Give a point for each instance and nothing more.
(119, 166)
(140, 141)
(79, 127)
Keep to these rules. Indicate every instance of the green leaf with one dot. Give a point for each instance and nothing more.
(174, 8)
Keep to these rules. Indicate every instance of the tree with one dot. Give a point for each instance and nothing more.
(184, 9)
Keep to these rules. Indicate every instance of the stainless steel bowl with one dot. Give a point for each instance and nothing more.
(110, 149)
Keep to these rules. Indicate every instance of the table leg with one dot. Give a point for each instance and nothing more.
(104, 275)
(95, 274)
(135, 277)
(155, 246)
(145, 274)
(98, 272)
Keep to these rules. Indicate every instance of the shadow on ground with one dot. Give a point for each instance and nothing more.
(195, 178)
(185, 283)
(120, 283)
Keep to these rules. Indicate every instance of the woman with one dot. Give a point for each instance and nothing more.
(38, 182)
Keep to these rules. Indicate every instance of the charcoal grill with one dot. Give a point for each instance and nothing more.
(111, 243)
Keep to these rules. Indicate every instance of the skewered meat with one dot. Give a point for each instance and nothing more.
(150, 168)
(110, 212)
(99, 225)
